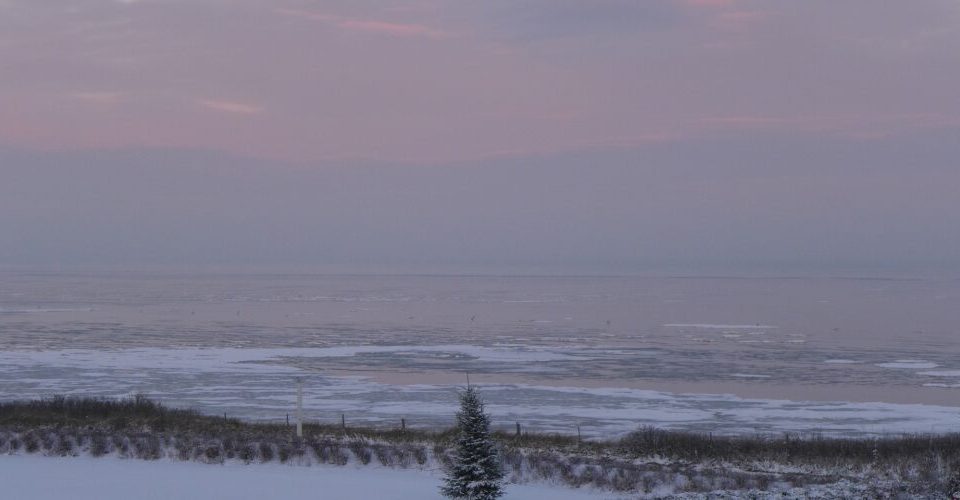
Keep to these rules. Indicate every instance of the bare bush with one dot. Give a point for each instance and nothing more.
(360, 450)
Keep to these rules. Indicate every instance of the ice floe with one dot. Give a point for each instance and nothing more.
(909, 364)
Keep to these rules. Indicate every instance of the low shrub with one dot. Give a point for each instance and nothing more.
(644, 461)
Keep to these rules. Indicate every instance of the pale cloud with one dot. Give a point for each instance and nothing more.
(739, 20)
(709, 3)
(107, 98)
(394, 29)
(743, 120)
(369, 25)
(232, 107)
(534, 21)
(862, 126)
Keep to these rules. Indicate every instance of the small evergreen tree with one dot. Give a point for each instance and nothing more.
(475, 473)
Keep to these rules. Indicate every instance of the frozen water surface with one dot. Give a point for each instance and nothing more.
(824, 355)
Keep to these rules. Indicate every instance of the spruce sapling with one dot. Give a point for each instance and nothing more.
(476, 472)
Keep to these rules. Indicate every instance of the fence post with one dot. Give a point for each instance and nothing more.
(403, 424)
(518, 430)
(343, 422)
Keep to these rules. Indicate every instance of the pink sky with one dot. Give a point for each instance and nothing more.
(440, 81)
(603, 133)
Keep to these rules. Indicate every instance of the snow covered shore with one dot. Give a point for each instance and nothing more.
(85, 478)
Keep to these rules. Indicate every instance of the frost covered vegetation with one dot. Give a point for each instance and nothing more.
(646, 463)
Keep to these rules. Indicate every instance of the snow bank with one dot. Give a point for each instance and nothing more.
(29, 478)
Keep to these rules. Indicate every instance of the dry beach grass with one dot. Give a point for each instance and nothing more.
(648, 462)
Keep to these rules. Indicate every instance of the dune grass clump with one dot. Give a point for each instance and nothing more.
(788, 448)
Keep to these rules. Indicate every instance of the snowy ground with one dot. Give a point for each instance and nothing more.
(36, 478)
